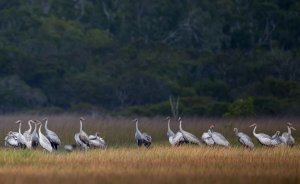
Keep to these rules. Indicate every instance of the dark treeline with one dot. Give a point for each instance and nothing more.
(222, 58)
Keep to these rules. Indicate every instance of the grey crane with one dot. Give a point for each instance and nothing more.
(207, 139)
(276, 139)
(287, 137)
(243, 139)
(21, 139)
(218, 138)
(35, 137)
(11, 139)
(174, 139)
(43, 141)
(141, 138)
(81, 138)
(96, 141)
(52, 136)
(27, 135)
(188, 137)
(264, 139)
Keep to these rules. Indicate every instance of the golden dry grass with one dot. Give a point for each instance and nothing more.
(161, 164)
(122, 162)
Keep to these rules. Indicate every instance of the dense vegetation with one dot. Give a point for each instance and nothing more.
(222, 58)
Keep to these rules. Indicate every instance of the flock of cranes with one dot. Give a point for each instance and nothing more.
(50, 141)
(31, 139)
(213, 138)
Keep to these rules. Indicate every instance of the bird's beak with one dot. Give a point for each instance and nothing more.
(293, 128)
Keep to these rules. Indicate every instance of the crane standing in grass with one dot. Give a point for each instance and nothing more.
(96, 141)
(188, 137)
(141, 138)
(52, 136)
(81, 137)
(243, 139)
(218, 138)
(264, 139)
(35, 137)
(174, 139)
(27, 136)
(11, 139)
(43, 141)
(207, 139)
(21, 138)
(287, 137)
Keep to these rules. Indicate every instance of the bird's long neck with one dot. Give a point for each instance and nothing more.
(20, 124)
(137, 126)
(236, 131)
(180, 128)
(289, 130)
(40, 132)
(254, 129)
(46, 125)
(34, 130)
(169, 129)
(29, 123)
(80, 126)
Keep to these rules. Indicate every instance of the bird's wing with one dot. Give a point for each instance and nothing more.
(53, 137)
(147, 137)
(219, 139)
(190, 137)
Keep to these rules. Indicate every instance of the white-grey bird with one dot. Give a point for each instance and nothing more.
(287, 137)
(21, 138)
(11, 139)
(276, 139)
(264, 139)
(174, 139)
(141, 138)
(188, 137)
(218, 138)
(81, 137)
(207, 139)
(27, 135)
(43, 141)
(96, 141)
(52, 136)
(243, 139)
(35, 137)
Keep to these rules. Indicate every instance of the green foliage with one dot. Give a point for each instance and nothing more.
(241, 107)
(130, 56)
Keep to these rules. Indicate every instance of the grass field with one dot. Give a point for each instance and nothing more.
(122, 162)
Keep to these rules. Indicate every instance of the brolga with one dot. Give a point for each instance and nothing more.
(52, 136)
(174, 139)
(35, 137)
(276, 139)
(141, 138)
(188, 137)
(243, 139)
(287, 137)
(27, 135)
(207, 139)
(11, 140)
(43, 141)
(96, 141)
(81, 138)
(21, 138)
(262, 138)
(218, 138)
